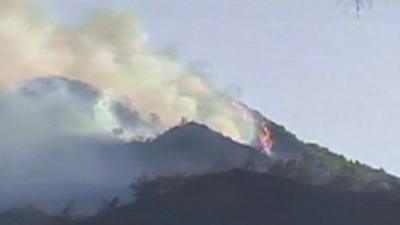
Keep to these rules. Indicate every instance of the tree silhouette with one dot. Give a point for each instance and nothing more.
(360, 4)
(357, 5)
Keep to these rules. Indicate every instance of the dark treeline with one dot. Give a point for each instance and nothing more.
(235, 197)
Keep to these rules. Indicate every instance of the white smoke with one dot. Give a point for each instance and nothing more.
(109, 52)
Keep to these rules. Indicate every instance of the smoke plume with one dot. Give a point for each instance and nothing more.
(108, 53)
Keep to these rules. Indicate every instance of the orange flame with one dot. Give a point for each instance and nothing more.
(265, 139)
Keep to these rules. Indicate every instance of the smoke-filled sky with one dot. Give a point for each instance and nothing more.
(108, 52)
(308, 64)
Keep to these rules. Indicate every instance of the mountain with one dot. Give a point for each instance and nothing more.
(194, 175)
(195, 149)
(106, 170)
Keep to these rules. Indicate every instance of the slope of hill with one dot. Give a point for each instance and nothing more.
(319, 165)
(241, 197)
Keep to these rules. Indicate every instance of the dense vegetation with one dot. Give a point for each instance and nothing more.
(235, 197)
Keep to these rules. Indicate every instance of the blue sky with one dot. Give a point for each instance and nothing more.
(310, 64)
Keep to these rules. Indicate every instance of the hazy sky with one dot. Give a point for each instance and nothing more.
(309, 65)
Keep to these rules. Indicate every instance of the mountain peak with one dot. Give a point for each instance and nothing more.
(190, 133)
(290, 157)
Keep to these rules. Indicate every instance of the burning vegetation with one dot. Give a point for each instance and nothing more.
(265, 139)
